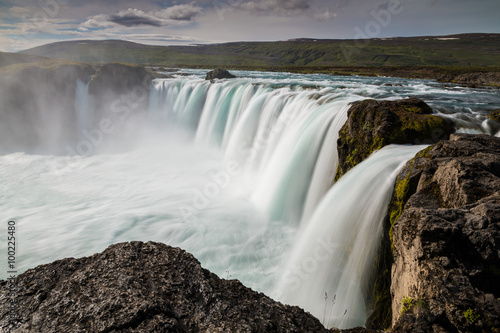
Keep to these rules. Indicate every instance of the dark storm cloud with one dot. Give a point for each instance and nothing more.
(135, 17)
(131, 20)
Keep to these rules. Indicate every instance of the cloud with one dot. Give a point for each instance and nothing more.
(326, 15)
(134, 17)
(131, 17)
(319, 10)
(280, 7)
(181, 12)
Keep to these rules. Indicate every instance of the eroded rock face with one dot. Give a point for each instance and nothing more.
(446, 240)
(373, 124)
(143, 287)
(219, 74)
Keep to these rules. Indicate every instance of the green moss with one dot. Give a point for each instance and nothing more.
(399, 199)
(424, 153)
(414, 109)
(405, 186)
(495, 115)
(471, 315)
(417, 129)
(409, 304)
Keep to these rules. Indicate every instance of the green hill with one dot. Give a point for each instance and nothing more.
(466, 50)
(7, 59)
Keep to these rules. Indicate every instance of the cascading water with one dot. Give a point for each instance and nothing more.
(276, 134)
(334, 251)
(227, 170)
(82, 105)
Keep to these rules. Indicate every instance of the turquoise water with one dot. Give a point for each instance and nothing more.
(230, 171)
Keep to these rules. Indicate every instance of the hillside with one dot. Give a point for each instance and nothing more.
(466, 50)
(7, 59)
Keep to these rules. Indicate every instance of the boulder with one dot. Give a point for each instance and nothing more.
(373, 124)
(445, 216)
(219, 74)
(142, 287)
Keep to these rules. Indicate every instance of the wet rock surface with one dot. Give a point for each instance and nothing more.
(142, 287)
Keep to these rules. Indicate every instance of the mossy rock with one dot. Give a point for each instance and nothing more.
(495, 115)
(373, 124)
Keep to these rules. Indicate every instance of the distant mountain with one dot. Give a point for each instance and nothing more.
(455, 50)
(7, 59)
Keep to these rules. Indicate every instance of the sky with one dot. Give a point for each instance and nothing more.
(29, 23)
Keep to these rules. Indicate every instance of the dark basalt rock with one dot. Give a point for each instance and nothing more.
(446, 238)
(219, 74)
(142, 287)
(373, 124)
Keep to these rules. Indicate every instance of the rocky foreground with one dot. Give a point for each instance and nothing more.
(142, 287)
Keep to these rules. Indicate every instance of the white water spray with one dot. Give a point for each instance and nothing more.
(82, 106)
(334, 251)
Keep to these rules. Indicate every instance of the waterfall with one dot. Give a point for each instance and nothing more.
(276, 133)
(169, 174)
(334, 251)
(284, 138)
(326, 165)
(82, 105)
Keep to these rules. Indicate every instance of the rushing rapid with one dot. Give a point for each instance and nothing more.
(238, 172)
